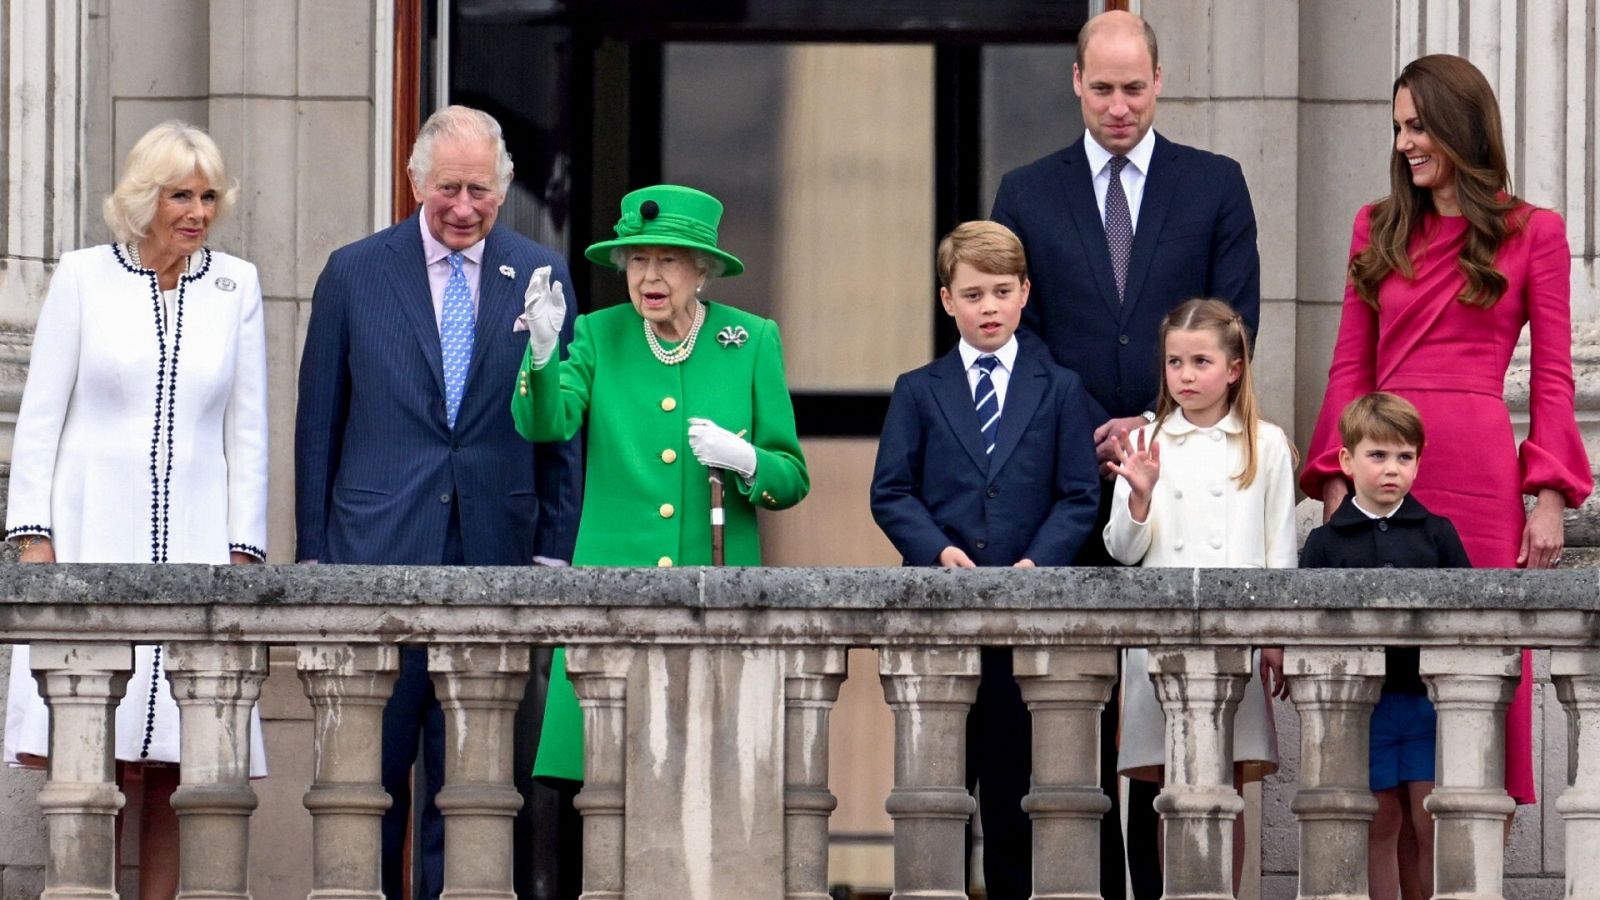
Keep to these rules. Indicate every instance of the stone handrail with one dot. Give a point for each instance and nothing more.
(660, 657)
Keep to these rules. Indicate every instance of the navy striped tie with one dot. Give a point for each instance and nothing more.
(988, 402)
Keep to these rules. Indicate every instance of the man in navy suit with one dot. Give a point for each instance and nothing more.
(987, 459)
(405, 452)
(1120, 227)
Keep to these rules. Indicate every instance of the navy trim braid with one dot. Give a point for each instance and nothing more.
(150, 707)
(251, 549)
(155, 426)
(23, 530)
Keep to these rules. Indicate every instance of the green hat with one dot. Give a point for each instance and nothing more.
(667, 215)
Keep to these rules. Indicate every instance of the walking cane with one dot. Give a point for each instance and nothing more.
(716, 516)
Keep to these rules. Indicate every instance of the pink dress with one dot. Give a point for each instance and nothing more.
(1450, 360)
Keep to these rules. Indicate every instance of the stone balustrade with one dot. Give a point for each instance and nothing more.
(706, 693)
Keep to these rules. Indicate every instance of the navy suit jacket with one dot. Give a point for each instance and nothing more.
(1034, 498)
(1196, 237)
(377, 467)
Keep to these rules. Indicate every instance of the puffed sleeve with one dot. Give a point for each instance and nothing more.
(46, 396)
(781, 478)
(1127, 540)
(1277, 468)
(1353, 372)
(244, 428)
(1553, 456)
(549, 403)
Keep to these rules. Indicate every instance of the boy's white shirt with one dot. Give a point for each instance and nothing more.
(1000, 377)
(1199, 516)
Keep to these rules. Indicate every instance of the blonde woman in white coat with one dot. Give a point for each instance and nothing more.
(142, 437)
(1207, 484)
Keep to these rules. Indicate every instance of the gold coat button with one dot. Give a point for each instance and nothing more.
(666, 510)
(664, 562)
(668, 404)
(669, 455)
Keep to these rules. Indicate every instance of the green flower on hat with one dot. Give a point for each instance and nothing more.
(667, 215)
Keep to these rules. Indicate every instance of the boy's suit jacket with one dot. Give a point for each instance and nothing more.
(1035, 498)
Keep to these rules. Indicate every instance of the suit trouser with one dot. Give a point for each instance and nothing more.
(1000, 763)
(412, 716)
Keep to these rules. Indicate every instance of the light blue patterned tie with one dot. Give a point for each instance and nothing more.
(455, 336)
(988, 402)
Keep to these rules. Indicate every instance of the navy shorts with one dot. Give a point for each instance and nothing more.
(1404, 734)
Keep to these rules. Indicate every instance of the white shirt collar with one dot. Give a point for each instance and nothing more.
(1100, 157)
(1372, 515)
(433, 250)
(1177, 423)
(1007, 354)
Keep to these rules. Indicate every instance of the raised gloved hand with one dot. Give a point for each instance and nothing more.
(717, 447)
(544, 309)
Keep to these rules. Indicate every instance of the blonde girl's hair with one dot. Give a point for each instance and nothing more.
(164, 156)
(1217, 317)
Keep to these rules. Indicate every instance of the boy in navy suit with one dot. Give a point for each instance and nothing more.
(987, 459)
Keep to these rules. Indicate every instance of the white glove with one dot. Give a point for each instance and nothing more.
(717, 447)
(544, 309)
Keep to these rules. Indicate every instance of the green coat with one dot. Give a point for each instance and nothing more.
(646, 500)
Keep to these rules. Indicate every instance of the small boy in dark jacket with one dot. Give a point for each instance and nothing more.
(1379, 525)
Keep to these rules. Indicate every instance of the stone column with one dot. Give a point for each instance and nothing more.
(1065, 691)
(479, 686)
(1470, 688)
(812, 676)
(348, 685)
(599, 677)
(82, 683)
(1576, 674)
(1199, 689)
(930, 691)
(1334, 688)
(215, 686)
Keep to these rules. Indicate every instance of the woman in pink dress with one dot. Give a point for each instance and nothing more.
(1444, 273)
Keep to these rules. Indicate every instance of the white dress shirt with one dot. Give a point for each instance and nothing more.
(1000, 377)
(438, 259)
(1133, 174)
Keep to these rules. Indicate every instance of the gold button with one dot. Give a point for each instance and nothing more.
(664, 562)
(666, 510)
(668, 404)
(669, 455)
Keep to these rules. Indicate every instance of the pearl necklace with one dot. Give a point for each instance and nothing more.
(133, 257)
(681, 352)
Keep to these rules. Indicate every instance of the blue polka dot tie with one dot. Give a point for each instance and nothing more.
(983, 394)
(455, 336)
(1119, 226)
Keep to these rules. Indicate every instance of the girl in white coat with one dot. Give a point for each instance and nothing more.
(1208, 483)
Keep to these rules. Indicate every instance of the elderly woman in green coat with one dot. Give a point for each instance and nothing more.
(671, 387)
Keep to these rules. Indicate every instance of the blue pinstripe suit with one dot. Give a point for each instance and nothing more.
(381, 477)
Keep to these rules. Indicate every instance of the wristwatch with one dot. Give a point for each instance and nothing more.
(1149, 416)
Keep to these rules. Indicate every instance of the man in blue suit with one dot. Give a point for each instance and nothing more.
(1120, 227)
(405, 452)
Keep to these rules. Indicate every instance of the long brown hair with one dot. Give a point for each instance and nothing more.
(1217, 317)
(1459, 112)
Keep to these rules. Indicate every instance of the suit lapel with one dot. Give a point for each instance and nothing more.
(1160, 184)
(1023, 394)
(1079, 199)
(954, 397)
(408, 279)
(496, 300)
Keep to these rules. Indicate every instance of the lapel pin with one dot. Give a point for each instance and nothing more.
(508, 272)
(225, 284)
(733, 336)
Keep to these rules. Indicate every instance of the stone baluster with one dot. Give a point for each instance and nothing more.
(1066, 690)
(930, 690)
(82, 683)
(1470, 688)
(216, 686)
(348, 686)
(1335, 689)
(1576, 674)
(599, 676)
(479, 686)
(1199, 689)
(812, 676)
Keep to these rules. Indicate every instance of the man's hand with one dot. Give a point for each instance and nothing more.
(544, 310)
(1105, 441)
(953, 557)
